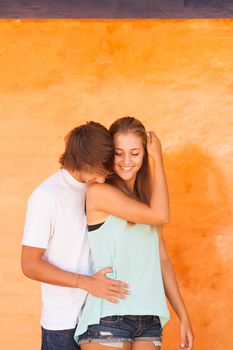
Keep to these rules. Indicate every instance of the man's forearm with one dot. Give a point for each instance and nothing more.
(46, 272)
(99, 285)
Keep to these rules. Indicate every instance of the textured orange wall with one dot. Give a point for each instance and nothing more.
(176, 76)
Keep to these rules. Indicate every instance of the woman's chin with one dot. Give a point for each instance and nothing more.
(126, 177)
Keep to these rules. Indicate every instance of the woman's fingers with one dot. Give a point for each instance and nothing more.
(183, 339)
(182, 346)
(153, 144)
(186, 340)
(151, 136)
(190, 338)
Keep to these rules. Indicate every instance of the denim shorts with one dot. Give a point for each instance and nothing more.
(115, 330)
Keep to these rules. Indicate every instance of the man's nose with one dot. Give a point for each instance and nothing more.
(100, 179)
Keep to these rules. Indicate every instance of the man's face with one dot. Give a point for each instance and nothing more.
(92, 176)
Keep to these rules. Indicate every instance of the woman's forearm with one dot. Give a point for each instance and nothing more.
(174, 296)
(172, 289)
(160, 198)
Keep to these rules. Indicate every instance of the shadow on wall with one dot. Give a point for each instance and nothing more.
(199, 205)
(198, 239)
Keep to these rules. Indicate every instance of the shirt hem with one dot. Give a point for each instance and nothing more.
(35, 245)
(58, 328)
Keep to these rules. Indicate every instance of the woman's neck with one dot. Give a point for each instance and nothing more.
(130, 184)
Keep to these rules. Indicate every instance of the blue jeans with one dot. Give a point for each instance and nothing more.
(58, 340)
(115, 330)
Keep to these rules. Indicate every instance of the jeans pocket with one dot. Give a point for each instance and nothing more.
(156, 319)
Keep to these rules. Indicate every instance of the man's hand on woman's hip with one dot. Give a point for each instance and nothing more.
(103, 287)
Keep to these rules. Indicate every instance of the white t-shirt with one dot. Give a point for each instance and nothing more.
(56, 221)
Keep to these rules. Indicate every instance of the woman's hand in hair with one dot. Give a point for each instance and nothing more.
(154, 148)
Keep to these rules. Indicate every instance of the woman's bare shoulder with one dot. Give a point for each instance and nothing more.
(100, 196)
(97, 189)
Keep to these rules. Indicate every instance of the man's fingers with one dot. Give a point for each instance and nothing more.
(116, 294)
(112, 300)
(119, 290)
(121, 284)
(105, 270)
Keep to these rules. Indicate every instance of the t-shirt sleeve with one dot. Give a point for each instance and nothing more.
(38, 227)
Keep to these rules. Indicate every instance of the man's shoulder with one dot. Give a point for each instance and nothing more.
(48, 187)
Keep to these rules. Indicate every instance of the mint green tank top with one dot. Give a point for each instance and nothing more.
(132, 251)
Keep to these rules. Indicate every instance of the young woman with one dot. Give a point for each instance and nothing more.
(124, 234)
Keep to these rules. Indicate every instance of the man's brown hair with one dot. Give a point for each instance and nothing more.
(88, 147)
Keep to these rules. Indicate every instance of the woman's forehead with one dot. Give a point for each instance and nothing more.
(127, 141)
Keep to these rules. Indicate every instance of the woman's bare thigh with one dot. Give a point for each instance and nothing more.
(145, 345)
(93, 346)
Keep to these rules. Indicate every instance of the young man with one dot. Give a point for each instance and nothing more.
(55, 249)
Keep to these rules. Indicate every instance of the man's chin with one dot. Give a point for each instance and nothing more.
(90, 182)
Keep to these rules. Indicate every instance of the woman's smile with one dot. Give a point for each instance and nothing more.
(126, 168)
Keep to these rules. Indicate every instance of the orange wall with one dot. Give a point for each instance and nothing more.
(174, 75)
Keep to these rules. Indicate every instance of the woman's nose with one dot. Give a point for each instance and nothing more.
(126, 159)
